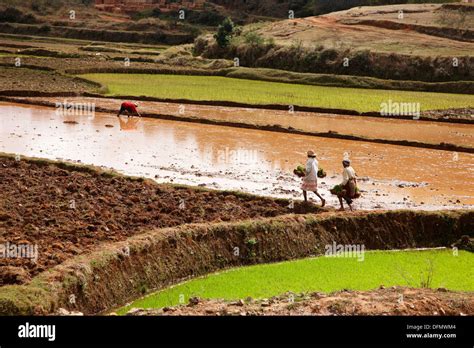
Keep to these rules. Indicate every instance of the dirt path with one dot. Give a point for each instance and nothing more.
(115, 19)
(391, 301)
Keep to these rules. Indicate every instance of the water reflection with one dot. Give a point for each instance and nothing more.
(129, 123)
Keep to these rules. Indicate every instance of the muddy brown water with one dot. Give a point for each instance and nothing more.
(230, 158)
(371, 127)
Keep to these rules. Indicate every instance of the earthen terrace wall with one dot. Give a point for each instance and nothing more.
(121, 272)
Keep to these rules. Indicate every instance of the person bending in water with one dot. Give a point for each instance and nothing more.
(348, 184)
(130, 108)
(310, 180)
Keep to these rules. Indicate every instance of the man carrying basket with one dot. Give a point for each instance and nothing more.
(349, 184)
(310, 179)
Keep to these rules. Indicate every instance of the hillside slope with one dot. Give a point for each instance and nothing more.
(382, 29)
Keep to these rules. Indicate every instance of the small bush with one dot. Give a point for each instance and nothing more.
(13, 15)
(253, 38)
(200, 45)
(45, 28)
(224, 33)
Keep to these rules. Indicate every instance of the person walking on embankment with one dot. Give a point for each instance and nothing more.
(130, 108)
(348, 184)
(310, 180)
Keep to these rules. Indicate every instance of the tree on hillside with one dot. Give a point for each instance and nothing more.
(224, 32)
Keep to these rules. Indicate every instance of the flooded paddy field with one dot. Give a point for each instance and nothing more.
(430, 132)
(255, 161)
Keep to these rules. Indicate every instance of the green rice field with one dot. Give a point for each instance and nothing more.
(218, 88)
(325, 274)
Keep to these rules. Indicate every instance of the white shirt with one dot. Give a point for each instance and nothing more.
(347, 174)
(311, 169)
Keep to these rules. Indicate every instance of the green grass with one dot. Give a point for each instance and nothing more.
(403, 268)
(262, 92)
(20, 55)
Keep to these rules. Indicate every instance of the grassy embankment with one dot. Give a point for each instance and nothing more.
(403, 268)
(260, 92)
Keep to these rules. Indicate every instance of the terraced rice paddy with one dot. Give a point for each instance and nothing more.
(216, 88)
(369, 270)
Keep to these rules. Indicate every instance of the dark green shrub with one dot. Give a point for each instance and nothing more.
(224, 33)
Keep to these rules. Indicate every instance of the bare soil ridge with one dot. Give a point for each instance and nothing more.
(383, 301)
(68, 210)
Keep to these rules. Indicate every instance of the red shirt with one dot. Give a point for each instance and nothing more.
(129, 106)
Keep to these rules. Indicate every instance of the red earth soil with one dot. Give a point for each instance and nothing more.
(383, 301)
(66, 211)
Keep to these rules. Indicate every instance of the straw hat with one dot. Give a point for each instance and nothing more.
(311, 153)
